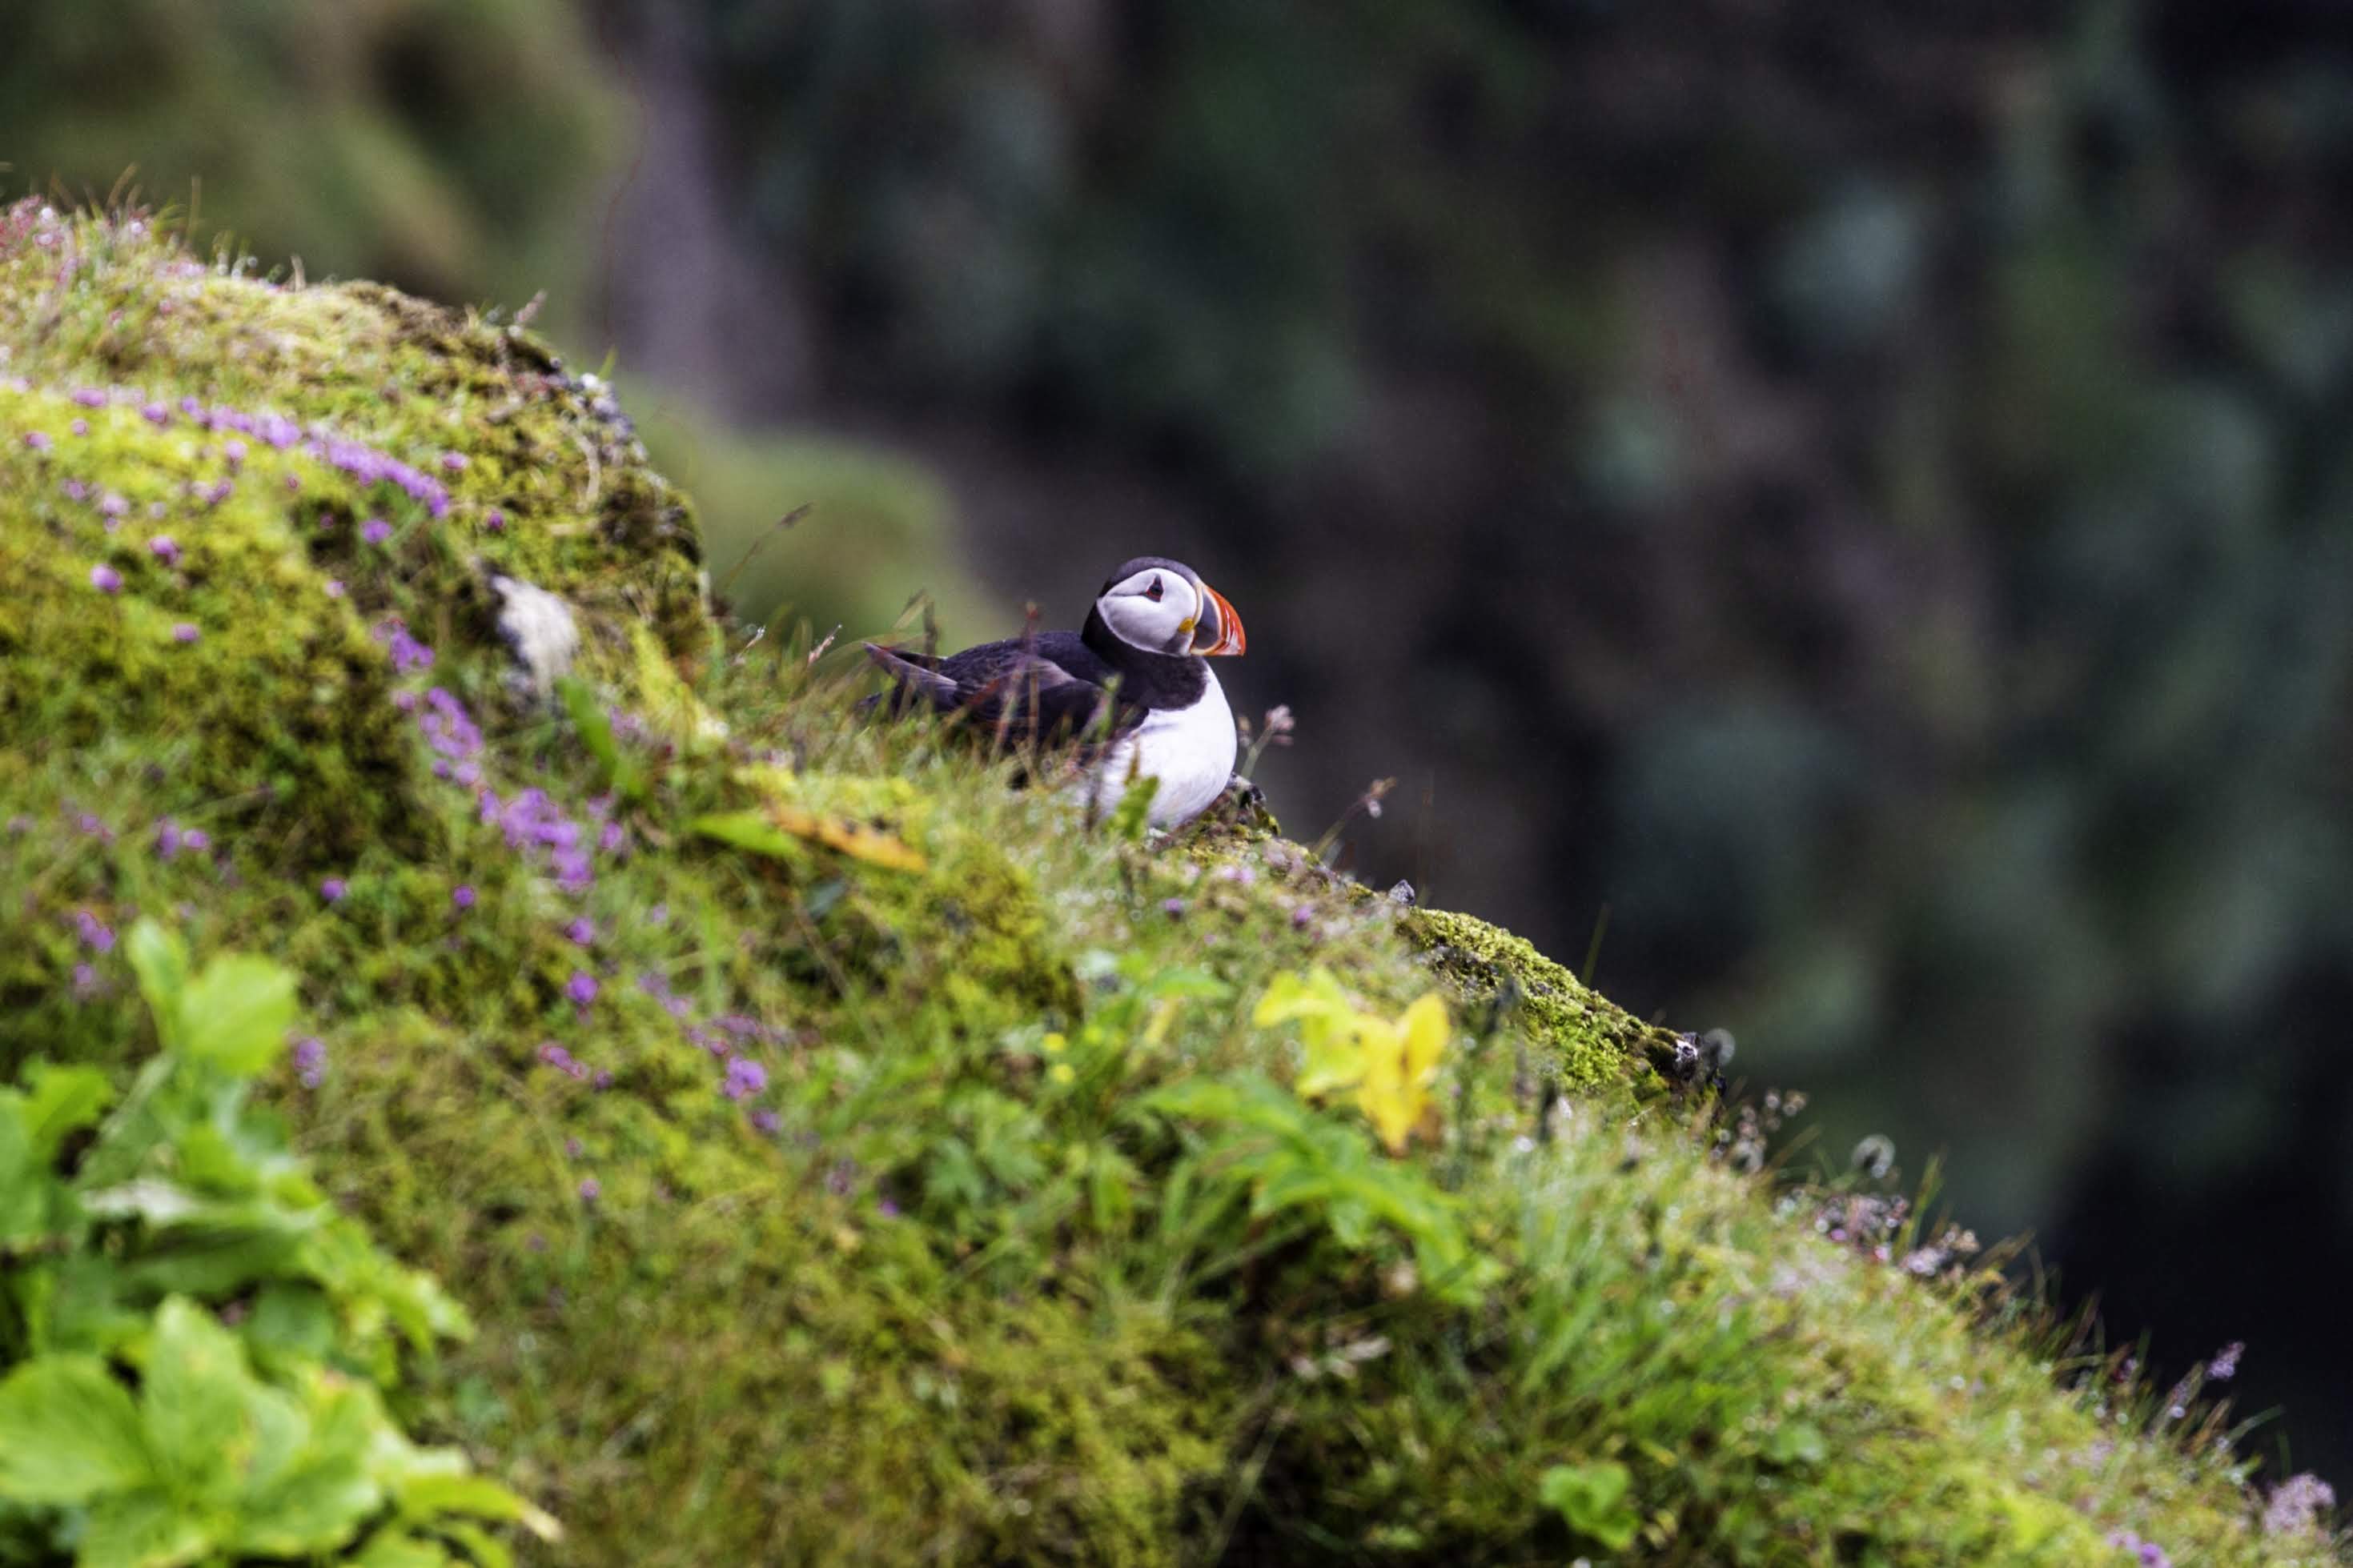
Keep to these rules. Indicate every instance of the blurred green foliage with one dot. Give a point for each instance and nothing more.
(446, 145)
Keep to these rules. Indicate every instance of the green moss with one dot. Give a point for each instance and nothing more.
(1594, 1042)
(940, 1279)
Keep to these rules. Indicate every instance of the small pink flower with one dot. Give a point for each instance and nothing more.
(39, 440)
(454, 462)
(105, 579)
(495, 521)
(375, 530)
(165, 549)
(463, 895)
(185, 632)
(333, 888)
(581, 987)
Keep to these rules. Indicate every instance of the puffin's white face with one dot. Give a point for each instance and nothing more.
(1165, 610)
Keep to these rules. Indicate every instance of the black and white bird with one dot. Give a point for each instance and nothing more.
(1144, 650)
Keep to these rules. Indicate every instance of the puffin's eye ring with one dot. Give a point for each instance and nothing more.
(1153, 593)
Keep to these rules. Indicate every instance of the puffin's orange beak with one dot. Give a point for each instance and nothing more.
(1222, 627)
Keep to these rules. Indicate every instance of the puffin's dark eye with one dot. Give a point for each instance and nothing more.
(1153, 593)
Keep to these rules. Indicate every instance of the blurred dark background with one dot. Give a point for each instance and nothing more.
(1858, 488)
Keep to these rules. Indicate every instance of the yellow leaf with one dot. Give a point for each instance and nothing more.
(1424, 1025)
(853, 839)
(1399, 1067)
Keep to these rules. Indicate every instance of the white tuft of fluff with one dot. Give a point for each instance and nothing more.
(538, 628)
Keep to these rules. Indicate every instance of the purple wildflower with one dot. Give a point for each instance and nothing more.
(2226, 1364)
(1174, 908)
(590, 1189)
(1300, 917)
(96, 934)
(333, 888)
(765, 1121)
(39, 440)
(454, 462)
(604, 1078)
(334, 587)
(310, 1061)
(105, 579)
(612, 837)
(572, 1148)
(745, 1078)
(407, 653)
(80, 426)
(462, 895)
(196, 840)
(185, 632)
(582, 931)
(886, 1209)
(111, 506)
(89, 397)
(155, 414)
(164, 549)
(581, 987)
(85, 982)
(169, 841)
(2296, 1505)
(234, 451)
(495, 521)
(375, 530)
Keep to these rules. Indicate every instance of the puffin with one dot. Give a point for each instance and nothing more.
(1144, 653)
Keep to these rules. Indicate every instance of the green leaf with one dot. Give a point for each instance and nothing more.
(144, 1528)
(477, 1496)
(1593, 1499)
(160, 959)
(192, 1401)
(399, 1549)
(62, 1101)
(291, 1322)
(69, 1432)
(620, 769)
(1132, 816)
(316, 1506)
(25, 1182)
(236, 1015)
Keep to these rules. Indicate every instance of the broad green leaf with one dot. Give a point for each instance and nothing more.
(291, 1322)
(1593, 1499)
(480, 1545)
(69, 1432)
(193, 1400)
(25, 1180)
(144, 1528)
(59, 1102)
(317, 1507)
(236, 1015)
(160, 959)
(399, 1549)
(216, 1255)
(477, 1496)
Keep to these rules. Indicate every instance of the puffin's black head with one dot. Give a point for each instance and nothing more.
(1162, 607)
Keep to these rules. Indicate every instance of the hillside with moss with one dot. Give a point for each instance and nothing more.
(843, 1156)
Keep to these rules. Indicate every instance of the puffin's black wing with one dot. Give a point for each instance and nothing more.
(1051, 687)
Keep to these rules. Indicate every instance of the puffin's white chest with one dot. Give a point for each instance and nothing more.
(1190, 749)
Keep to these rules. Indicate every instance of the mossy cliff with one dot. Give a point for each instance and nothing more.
(847, 1157)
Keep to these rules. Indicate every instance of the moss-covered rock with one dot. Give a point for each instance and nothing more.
(847, 1157)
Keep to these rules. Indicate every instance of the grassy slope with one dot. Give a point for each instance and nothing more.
(934, 1281)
